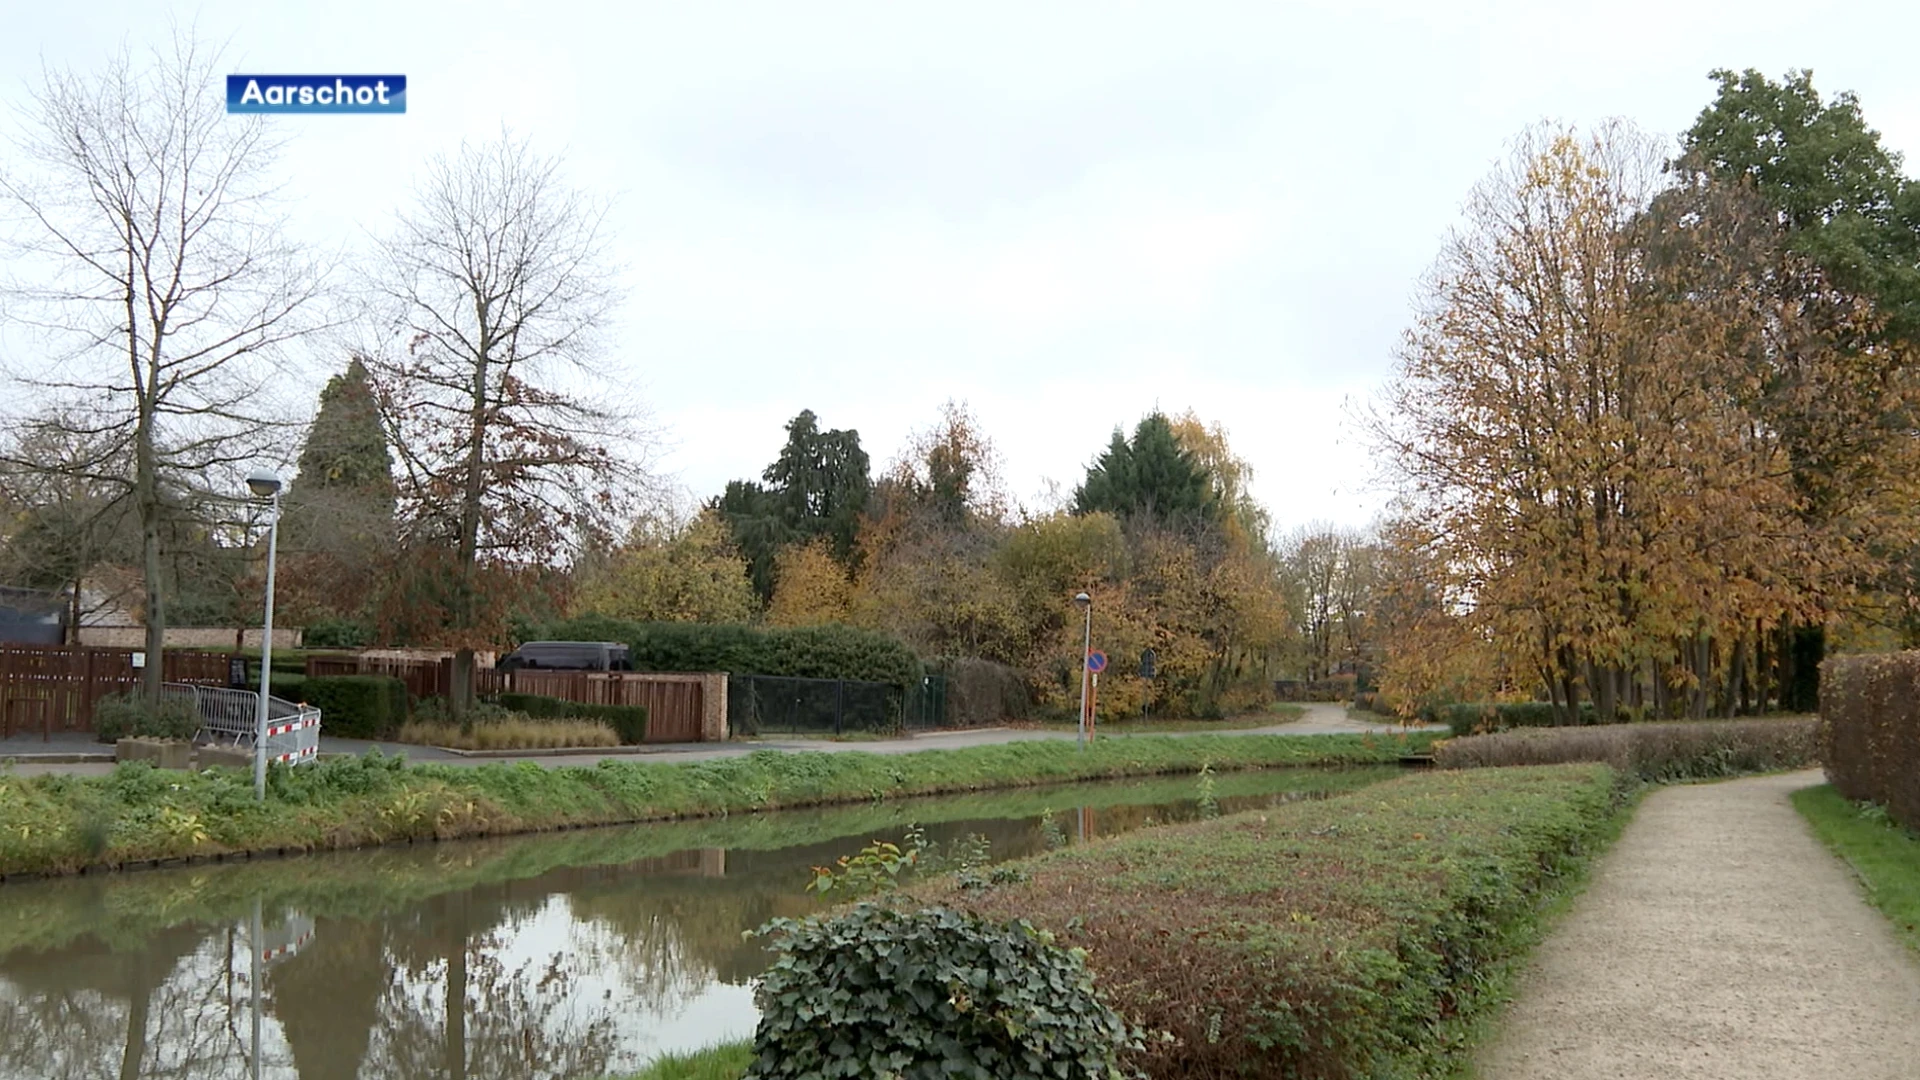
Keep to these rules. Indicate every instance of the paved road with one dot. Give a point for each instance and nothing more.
(1719, 940)
(1320, 719)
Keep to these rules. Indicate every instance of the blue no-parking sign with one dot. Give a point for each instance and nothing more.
(1096, 661)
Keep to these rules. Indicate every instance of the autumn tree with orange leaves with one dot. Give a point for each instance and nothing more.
(1597, 424)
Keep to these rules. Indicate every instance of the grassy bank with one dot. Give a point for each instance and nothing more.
(63, 824)
(1883, 855)
(1655, 752)
(123, 910)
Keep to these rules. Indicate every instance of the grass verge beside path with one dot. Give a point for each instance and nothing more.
(1275, 714)
(1884, 855)
(138, 814)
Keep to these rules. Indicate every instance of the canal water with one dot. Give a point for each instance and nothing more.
(564, 955)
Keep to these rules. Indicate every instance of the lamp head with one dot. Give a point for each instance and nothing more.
(1083, 600)
(263, 483)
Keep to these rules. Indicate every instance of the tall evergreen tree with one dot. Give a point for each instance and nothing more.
(342, 503)
(817, 487)
(1152, 476)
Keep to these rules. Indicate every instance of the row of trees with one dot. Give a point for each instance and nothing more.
(1655, 423)
(1161, 532)
(465, 451)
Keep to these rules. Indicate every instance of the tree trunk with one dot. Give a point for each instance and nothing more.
(1606, 691)
(146, 493)
(1737, 679)
(1702, 665)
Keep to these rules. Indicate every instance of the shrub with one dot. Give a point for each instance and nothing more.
(876, 992)
(351, 706)
(1870, 730)
(513, 733)
(805, 652)
(981, 692)
(1678, 750)
(337, 634)
(1327, 938)
(629, 722)
(1475, 718)
(128, 716)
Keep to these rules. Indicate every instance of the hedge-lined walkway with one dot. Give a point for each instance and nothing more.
(1718, 939)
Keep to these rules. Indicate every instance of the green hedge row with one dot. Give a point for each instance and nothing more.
(627, 721)
(351, 706)
(1342, 937)
(1870, 730)
(1475, 718)
(805, 652)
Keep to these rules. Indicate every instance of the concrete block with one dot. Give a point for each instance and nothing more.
(228, 757)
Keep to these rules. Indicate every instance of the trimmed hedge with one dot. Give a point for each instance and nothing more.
(804, 652)
(1658, 752)
(1479, 717)
(1343, 937)
(627, 721)
(1870, 730)
(351, 706)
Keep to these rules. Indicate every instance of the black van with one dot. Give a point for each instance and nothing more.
(568, 656)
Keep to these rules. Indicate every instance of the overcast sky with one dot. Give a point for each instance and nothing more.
(1064, 215)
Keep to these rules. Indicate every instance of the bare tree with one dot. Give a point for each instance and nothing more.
(150, 267)
(509, 452)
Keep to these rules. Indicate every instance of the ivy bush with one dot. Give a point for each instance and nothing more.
(874, 992)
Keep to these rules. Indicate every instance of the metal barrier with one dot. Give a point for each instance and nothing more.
(233, 717)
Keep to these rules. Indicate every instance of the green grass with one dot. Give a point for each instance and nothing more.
(723, 1062)
(1883, 855)
(124, 910)
(62, 823)
(1359, 936)
(1276, 713)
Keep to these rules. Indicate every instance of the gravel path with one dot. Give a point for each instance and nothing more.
(1718, 939)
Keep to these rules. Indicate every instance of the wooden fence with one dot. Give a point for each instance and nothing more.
(49, 688)
(680, 708)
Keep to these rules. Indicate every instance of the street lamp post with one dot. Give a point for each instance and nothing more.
(1086, 654)
(267, 486)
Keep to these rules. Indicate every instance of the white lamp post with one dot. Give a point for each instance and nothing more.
(265, 485)
(1086, 654)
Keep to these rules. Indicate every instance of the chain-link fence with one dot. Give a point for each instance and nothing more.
(769, 704)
